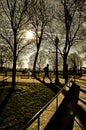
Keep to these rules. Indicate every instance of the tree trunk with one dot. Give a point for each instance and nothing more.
(13, 75)
(34, 66)
(57, 78)
(1, 67)
(36, 56)
(14, 62)
(65, 68)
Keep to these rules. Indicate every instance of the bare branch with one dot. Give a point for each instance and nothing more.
(7, 41)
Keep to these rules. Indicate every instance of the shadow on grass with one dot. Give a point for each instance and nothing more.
(3, 104)
(5, 101)
(51, 85)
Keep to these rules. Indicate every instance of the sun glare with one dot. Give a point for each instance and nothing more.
(84, 24)
(29, 35)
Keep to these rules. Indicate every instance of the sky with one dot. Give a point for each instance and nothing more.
(76, 48)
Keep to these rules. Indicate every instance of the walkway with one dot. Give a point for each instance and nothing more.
(81, 107)
(64, 118)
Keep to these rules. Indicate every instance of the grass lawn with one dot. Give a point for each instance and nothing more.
(27, 100)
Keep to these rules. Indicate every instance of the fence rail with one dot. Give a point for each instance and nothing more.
(38, 114)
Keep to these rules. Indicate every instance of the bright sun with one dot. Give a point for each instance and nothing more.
(29, 35)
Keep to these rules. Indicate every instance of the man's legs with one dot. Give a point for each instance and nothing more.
(49, 78)
(44, 77)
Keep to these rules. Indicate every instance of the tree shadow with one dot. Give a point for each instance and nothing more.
(82, 90)
(81, 114)
(55, 88)
(3, 104)
(82, 101)
(5, 101)
(63, 118)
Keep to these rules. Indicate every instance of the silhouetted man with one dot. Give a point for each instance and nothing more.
(46, 70)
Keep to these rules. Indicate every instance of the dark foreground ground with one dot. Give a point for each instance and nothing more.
(25, 101)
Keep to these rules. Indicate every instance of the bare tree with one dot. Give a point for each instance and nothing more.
(74, 61)
(4, 57)
(41, 15)
(72, 16)
(12, 25)
(40, 60)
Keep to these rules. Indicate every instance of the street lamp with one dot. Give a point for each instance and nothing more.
(56, 44)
